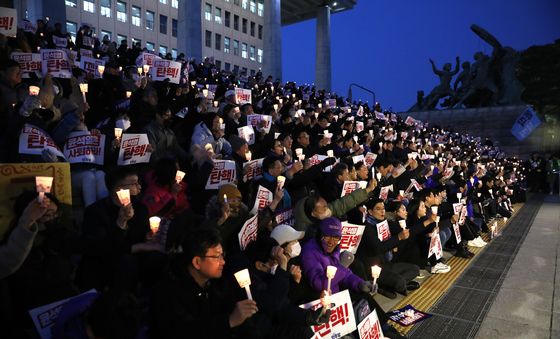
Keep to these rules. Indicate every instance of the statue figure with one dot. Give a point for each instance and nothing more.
(482, 79)
(444, 88)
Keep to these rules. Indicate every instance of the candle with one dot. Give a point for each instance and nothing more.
(146, 68)
(244, 280)
(330, 153)
(128, 94)
(139, 70)
(225, 198)
(299, 151)
(281, 180)
(275, 107)
(179, 176)
(154, 224)
(459, 196)
(378, 176)
(118, 132)
(124, 196)
(248, 155)
(205, 92)
(320, 105)
(216, 103)
(43, 185)
(434, 209)
(401, 193)
(331, 272)
(84, 90)
(34, 90)
(193, 83)
(100, 69)
(402, 223)
(375, 273)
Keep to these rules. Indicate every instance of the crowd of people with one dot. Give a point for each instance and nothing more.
(177, 282)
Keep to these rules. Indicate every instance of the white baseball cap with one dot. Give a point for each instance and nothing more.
(284, 234)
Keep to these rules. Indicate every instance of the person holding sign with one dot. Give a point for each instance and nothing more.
(163, 141)
(189, 301)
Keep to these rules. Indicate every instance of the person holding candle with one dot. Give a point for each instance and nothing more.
(191, 300)
(210, 131)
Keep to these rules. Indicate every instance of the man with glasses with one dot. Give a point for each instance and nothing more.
(189, 303)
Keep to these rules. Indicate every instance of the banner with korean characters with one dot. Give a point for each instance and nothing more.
(341, 320)
(263, 199)
(351, 237)
(84, 147)
(134, 149)
(258, 120)
(33, 140)
(222, 173)
(350, 186)
(28, 63)
(243, 96)
(166, 69)
(248, 232)
(8, 21)
(56, 63)
(370, 327)
(252, 170)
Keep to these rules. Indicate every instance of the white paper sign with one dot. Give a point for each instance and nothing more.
(359, 126)
(242, 96)
(28, 63)
(264, 198)
(83, 147)
(369, 159)
(370, 327)
(166, 69)
(60, 42)
(383, 232)
(248, 232)
(255, 120)
(89, 65)
(8, 21)
(253, 169)
(341, 321)
(351, 237)
(457, 231)
(134, 149)
(384, 192)
(223, 173)
(33, 140)
(146, 59)
(350, 186)
(56, 63)
(357, 158)
(247, 133)
(435, 246)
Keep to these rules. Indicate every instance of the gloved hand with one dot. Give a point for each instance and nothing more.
(368, 287)
(328, 162)
(317, 317)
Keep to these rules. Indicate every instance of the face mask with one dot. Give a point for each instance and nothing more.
(295, 250)
(122, 123)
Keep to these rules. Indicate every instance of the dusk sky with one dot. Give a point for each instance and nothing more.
(385, 45)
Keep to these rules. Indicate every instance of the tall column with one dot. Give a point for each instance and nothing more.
(323, 49)
(272, 39)
(189, 29)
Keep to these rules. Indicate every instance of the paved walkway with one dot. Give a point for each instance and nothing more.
(528, 303)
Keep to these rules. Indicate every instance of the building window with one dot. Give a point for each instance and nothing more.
(208, 39)
(235, 47)
(163, 24)
(253, 72)
(174, 28)
(163, 50)
(244, 71)
(163, 2)
(260, 56)
(175, 3)
(150, 20)
(89, 6)
(252, 53)
(121, 38)
(236, 2)
(244, 4)
(252, 28)
(244, 50)
(260, 8)
(208, 12)
(121, 11)
(150, 46)
(227, 18)
(71, 3)
(235, 69)
(253, 6)
(218, 64)
(236, 22)
(136, 13)
(227, 66)
(174, 53)
(136, 41)
(105, 33)
(218, 41)
(244, 26)
(218, 15)
(72, 28)
(226, 44)
(105, 8)
(260, 31)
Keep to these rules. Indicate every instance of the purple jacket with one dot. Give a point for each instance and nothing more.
(314, 264)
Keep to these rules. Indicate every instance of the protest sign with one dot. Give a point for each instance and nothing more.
(264, 198)
(370, 327)
(457, 207)
(331, 103)
(351, 237)
(409, 120)
(253, 170)
(383, 232)
(457, 232)
(384, 192)
(463, 215)
(83, 147)
(248, 232)
(285, 216)
(316, 159)
(60, 42)
(247, 133)
(407, 315)
(369, 159)
(8, 21)
(341, 320)
(33, 140)
(86, 53)
(44, 317)
(89, 65)
(222, 173)
(256, 120)
(525, 124)
(359, 126)
(350, 186)
(134, 149)
(28, 26)
(146, 58)
(357, 158)
(242, 96)
(56, 63)
(28, 63)
(166, 69)
(380, 116)
(435, 246)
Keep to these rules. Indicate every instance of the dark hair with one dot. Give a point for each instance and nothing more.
(359, 165)
(197, 242)
(162, 108)
(412, 209)
(310, 202)
(228, 108)
(260, 249)
(164, 171)
(112, 178)
(9, 64)
(370, 204)
(269, 161)
(338, 169)
(115, 315)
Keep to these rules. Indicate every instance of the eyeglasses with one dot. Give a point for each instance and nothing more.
(331, 239)
(221, 256)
